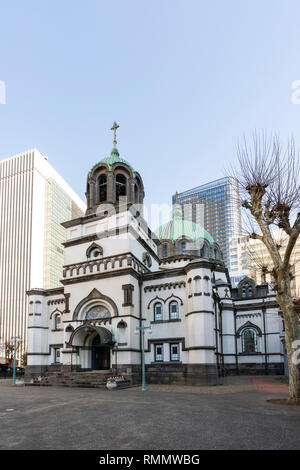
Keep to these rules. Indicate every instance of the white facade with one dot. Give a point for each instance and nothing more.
(25, 182)
(205, 330)
(118, 276)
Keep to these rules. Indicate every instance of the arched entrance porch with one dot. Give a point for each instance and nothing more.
(93, 344)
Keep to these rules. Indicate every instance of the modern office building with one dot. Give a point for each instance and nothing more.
(34, 200)
(249, 257)
(216, 207)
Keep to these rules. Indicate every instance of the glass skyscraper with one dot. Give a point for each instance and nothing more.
(215, 206)
(59, 207)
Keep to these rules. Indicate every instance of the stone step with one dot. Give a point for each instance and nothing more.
(89, 379)
(75, 379)
(89, 384)
(81, 375)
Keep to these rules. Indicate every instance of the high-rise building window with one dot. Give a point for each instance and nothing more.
(221, 212)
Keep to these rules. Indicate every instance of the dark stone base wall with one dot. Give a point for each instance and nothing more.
(273, 368)
(34, 371)
(168, 373)
(184, 374)
(131, 372)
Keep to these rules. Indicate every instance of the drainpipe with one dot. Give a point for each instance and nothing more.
(221, 334)
(265, 338)
(216, 334)
(235, 342)
(140, 324)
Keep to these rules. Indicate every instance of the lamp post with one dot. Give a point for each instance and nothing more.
(142, 330)
(15, 339)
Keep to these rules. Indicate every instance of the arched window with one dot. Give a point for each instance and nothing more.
(197, 285)
(120, 186)
(122, 334)
(204, 251)
(165, 251)
(136, 194)
(249, 341)
(102, 188)
(173, 310)
(207, 287)
(183, 248)
(190, 290)
(158, 312)
(57, 322)
(88, 194)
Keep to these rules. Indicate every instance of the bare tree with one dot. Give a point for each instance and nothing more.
(10, 351)
(260, 263)
(269, 183)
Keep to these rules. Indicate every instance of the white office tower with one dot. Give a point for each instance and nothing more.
(34, 200)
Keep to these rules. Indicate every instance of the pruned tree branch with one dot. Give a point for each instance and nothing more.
(269, 185)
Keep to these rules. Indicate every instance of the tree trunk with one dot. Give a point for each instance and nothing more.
(292, 333)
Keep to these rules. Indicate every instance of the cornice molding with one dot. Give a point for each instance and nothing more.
(94, 277)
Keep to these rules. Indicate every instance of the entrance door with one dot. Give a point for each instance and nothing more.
(100, 355)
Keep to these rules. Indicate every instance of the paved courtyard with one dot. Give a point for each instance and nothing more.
(235, 415)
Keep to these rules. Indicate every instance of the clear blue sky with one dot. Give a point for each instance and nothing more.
(183, 78)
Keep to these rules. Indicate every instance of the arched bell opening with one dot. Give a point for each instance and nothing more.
(102, 183)
(113, 181)
(121, 186)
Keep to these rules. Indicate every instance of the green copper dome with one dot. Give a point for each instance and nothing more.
(114, 158)
(178, 228)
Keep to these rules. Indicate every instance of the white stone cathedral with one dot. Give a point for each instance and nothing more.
(118, 276)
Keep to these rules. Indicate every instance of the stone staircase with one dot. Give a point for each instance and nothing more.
(90, 379)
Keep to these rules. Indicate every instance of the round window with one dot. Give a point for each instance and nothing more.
(95, 253)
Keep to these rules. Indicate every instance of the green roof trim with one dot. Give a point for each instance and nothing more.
(178, 228)
(112, 159)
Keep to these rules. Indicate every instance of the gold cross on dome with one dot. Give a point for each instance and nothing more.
(114, 128)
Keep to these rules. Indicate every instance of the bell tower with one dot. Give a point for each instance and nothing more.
(113, 181)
